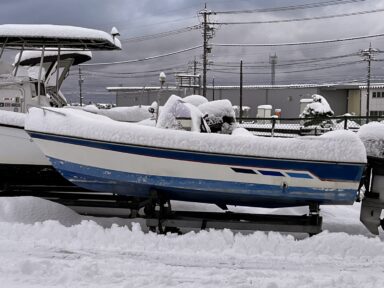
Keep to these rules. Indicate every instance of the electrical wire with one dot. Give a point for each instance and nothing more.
(292, 7)
(292, 71)
(299, 43)
(292, 62)
(144, 59)
(161, 34)
(300, 19)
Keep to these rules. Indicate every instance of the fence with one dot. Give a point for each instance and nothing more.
(293, 127)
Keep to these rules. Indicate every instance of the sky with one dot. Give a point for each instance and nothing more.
(140, 18)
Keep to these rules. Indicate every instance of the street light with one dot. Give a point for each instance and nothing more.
(162, 78)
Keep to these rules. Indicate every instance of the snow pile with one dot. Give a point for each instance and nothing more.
(195, 100)
(12, 118)
(29, 210)
(319, 107)
(372, 135)
(239, 131)
(49, 254)
(124, 114)
(343, 146)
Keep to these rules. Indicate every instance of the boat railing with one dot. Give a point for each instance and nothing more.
(294, 127)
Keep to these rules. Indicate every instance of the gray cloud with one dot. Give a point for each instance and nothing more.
(136, 18)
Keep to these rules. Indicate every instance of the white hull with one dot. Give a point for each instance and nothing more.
(17, 148)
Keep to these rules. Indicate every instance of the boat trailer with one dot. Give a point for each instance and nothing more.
(160, 218)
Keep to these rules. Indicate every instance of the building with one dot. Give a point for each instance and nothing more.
(343, 98)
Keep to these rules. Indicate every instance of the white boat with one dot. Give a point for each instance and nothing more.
(59, 47)
(100, 154)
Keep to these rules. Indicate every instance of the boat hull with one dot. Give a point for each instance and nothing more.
(22, 163)
(135, 170)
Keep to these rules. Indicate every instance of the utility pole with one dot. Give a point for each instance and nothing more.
(368, 55)
(194, 78)
(81, 80)
(241, 92)
(273, 61)
(208, 33)
(213, 89)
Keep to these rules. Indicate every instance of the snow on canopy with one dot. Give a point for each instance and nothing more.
(195, 100)
(175, 108)
(341, 146)
(319, 107)
(219, 108)
(126, 114)
(372, 135)
(33, 57)
(12, 118)
(37, 35)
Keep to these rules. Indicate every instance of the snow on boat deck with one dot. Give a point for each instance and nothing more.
(81, 124)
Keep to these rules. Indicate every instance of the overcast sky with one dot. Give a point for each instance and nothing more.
(144, 17)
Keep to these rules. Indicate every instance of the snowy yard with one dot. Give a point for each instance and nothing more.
(44, 244)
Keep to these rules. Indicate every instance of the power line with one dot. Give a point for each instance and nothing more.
(144, 59)
(283, 63)
(136, 72)
(293, 7)
(293, 71)
(162, 34)
(299, 43)
(301, 19)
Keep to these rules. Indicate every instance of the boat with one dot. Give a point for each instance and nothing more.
(237, 168)
(46, 54)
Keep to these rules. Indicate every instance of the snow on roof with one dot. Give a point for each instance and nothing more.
(289, 86)
(264, 107)
(29, 58)
(37, 35)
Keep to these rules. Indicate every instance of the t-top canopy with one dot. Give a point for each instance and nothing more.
(37, 36)
(30, 58)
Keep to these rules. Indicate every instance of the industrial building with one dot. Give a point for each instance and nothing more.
(343, 98)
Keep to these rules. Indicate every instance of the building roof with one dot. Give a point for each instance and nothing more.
(290, 86)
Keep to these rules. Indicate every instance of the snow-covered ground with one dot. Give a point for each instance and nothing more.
(43, 244)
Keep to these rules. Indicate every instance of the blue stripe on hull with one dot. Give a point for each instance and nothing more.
(332, 171)
(198, 190)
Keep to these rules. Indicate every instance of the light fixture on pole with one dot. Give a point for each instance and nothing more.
(162, 79)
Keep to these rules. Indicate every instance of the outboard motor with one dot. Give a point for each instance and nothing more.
(372, 205)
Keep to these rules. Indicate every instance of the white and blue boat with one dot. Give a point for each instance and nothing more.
(99, 154)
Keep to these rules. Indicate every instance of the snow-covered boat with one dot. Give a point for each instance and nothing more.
(97, 153)
(35, 80)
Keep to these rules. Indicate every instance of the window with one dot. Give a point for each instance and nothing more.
(374, 95)
(376, 113)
